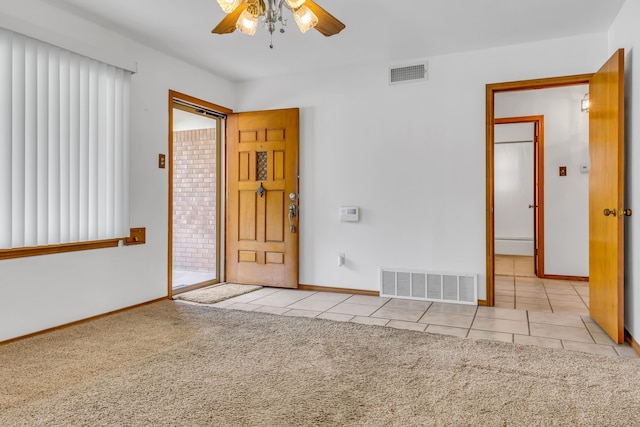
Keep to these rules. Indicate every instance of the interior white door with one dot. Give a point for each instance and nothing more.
(514, 188)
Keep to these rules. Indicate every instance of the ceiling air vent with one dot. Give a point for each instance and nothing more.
(408, 73)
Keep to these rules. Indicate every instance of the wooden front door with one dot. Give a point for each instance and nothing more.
(262, 198)
(606, 197)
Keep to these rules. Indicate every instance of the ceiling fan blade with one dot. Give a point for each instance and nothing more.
(328, 25)
(228, 24)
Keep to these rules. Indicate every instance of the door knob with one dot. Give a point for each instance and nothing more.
(608, 212)
(531, 206)
(625, 212)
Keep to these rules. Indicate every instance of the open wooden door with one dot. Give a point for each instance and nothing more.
(606, 197)
(538, 196)
(262, 198)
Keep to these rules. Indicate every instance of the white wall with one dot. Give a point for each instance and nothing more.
(566, 198)
(47, 291)
(625, 33)
(411, 156)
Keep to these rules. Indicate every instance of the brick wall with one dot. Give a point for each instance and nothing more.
(194, 200)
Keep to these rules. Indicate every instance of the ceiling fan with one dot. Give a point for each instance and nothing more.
(244, 16)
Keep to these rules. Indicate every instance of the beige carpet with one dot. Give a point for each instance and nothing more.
(176, 364)
(217, 293)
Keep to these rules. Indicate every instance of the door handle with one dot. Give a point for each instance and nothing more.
(531, 206)
(293, 212)
(261, 190)
(625, 212)
(608, 212)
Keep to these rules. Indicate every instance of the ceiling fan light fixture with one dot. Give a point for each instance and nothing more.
(228, 6)
(247, 23)
(305, 18)
(294, 4)
(245, 15)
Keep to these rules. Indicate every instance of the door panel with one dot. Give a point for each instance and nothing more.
(262, 153)
(606, 191)
(247, 208)
(275, 210)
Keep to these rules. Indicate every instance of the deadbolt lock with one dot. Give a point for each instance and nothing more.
(614, 212)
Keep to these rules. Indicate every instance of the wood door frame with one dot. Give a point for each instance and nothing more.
(491, 90)
(220, 155)
(538, 190)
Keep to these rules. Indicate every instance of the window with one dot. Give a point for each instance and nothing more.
(64, 146)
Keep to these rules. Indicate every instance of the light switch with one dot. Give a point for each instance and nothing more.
(563, 171)
(162, 163)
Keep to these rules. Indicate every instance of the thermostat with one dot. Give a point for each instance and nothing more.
(349, 214)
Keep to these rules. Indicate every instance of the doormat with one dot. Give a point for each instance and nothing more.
(217, 293)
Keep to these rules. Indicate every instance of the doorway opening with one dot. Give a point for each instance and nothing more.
(511, 88)
(195, 140)
(519, 195)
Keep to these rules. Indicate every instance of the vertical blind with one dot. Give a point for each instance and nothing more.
(64, 145)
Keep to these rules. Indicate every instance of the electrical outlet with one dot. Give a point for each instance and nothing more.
(563, 171)
(162, 161)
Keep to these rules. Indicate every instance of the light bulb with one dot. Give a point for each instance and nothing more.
(305, 18)
(294, 4)
(584, 104)
(247, 23)
(228, 6)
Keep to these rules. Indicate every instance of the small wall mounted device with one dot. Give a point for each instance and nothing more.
(349, 214)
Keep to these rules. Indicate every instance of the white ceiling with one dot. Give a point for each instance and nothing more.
(377, 31)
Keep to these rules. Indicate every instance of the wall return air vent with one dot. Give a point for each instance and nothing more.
(429, 286)
(408, 73)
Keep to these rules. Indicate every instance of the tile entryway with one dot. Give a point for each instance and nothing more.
(562, 330)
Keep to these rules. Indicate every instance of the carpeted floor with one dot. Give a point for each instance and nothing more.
(176, 364)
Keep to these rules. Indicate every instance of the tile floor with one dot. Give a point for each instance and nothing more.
(568, 330)
(516, 286)
(528, 310)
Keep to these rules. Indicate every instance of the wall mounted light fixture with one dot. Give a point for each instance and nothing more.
(584, 104)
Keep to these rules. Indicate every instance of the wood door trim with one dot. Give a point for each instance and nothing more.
(192, 100)
(491, 90)
(538, 150)
(184, 97)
